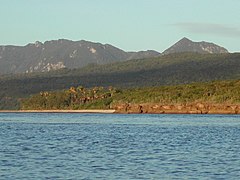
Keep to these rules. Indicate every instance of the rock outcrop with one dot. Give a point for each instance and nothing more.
(194, 108)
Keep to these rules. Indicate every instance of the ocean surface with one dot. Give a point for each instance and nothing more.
(115, 146)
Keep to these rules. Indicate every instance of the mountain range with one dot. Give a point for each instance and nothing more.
(62, 53)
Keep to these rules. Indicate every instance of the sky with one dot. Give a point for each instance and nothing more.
(131, 25)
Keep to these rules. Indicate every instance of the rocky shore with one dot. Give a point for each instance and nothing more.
(193, 108)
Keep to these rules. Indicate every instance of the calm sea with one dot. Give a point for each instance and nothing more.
(98, 146)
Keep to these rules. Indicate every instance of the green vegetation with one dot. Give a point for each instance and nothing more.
(171, 69)
(100, 98)
(214, 92)
(73, 98)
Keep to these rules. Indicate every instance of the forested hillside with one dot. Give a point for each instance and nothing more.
(165, 70)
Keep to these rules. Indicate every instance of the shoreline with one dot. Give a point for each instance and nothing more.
(216, 112)
(149, 108)
(60, 111)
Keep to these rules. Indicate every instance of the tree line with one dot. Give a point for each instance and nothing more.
(72, 98)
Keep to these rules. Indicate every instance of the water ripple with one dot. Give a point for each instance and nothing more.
(91, 146)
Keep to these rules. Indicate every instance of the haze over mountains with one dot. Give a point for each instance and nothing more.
(58, 54)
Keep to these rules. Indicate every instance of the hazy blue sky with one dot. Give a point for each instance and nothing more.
(127, 24)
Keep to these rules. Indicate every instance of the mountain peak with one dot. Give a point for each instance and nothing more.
(186, 45)
(185, 40)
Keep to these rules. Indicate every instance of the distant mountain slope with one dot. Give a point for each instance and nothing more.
(186, 45)
(143, 54)
(57, 54)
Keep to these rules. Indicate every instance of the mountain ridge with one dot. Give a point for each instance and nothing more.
(63, 53)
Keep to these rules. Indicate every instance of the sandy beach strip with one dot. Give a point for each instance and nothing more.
(59, 111)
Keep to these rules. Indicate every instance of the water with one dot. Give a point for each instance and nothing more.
(95, 146)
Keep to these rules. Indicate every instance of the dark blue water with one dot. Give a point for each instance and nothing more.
(95, 146)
